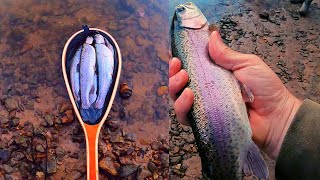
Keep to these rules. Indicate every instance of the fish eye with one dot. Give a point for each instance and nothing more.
(181, 9)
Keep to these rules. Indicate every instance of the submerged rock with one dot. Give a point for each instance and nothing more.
(127, 170)
(11, 104)
(48, 120)
(4, 155)
(143, 174)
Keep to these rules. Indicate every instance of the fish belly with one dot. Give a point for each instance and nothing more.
(87, 71)
(105, 64)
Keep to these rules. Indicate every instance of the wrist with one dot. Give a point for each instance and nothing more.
(280, 125)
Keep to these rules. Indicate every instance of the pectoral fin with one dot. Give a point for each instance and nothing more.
(254, 164)
(247, 95)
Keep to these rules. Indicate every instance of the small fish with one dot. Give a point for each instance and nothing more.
(87, 71)
(75, 74)
(105, 62)
(219, 116)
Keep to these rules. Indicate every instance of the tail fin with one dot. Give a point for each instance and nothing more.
(254, 164)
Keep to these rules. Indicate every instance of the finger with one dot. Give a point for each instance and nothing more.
(177, 83)
(174, 66)
(183, 105)
(228, 58)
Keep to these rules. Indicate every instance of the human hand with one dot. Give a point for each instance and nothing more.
(273, 108)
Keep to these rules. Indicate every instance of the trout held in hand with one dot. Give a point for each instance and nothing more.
(219, 117)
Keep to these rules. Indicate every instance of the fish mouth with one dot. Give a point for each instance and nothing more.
(188, 15)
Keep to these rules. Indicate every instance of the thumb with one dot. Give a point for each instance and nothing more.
(228, 58)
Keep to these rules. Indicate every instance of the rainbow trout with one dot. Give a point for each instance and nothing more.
(219, 117)
(87, 73)
(105, 63)
(75, 74)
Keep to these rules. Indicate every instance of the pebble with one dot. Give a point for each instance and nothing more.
(52, 165)
(125, 90)
(48, 120)
(60, 152)
(131, 137)
(3, 121)
(11, 104)
(70, 116)
(152, 167)
(175, 149)
(190, 139)
(10, 177)
(15, 121)
(127, 170)
(40, 148)
(7, 168)
(108, 166)
(175, 160)
(165, 159)
(264, 15)
(156, 145)
(74, 155)
(113, 124)
(75, 174)
(40, 175)
(143, 174)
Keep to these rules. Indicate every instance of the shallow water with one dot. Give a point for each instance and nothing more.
(32, 37)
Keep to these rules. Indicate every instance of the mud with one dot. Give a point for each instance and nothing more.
(273, 30)
(134, 140)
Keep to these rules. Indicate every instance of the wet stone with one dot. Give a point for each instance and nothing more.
(40, 148)
(75, 174)
(78, 139)
(4, 155)
(18, 156)
(127, 170)
(156, 145)
(48, 120)
(113, 124)
(10, 177)
(3, 121)
(190, 139)
(40, 175)
(165, 159)
(52, 165)
(7, 168)
(116, 137)
(143, 173)
(11, 104)
(130, 137)
(15, 121)
(74, 155)
(152, 167)
(175, 160)
(69, 114)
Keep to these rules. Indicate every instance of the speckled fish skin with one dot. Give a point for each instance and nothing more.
(93, 94)
(75, 74)
(219, 117)
(105, 62)
(87, 71)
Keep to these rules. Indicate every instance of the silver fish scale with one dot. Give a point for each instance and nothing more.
(220, 121)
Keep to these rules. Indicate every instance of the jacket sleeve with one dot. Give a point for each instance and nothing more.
(299, 156)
